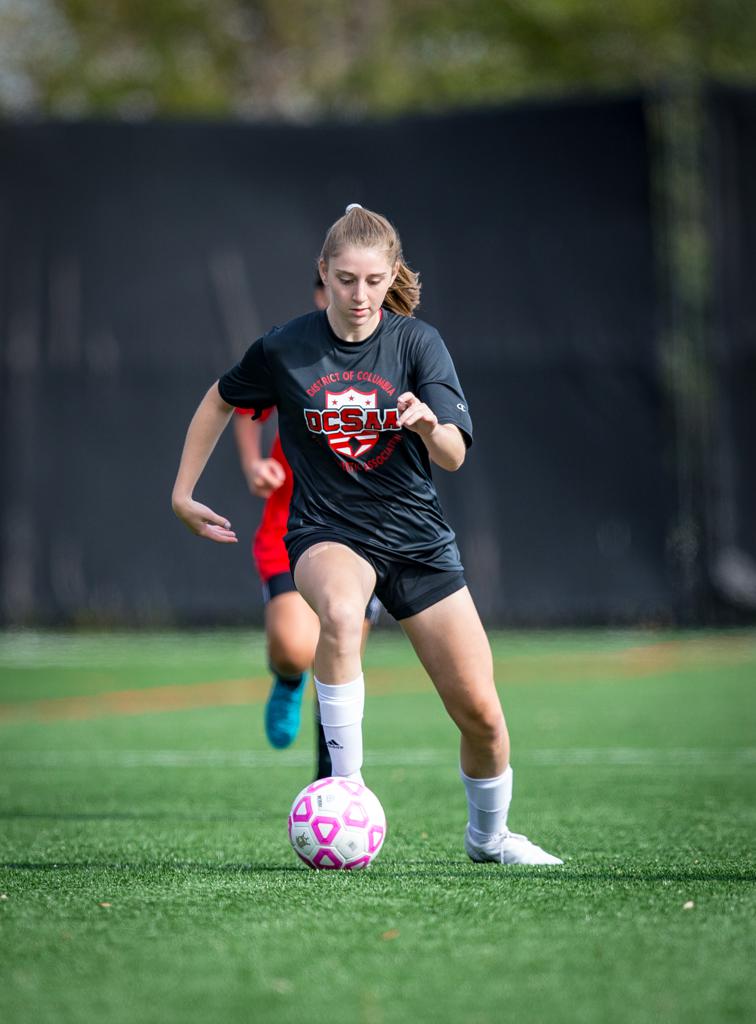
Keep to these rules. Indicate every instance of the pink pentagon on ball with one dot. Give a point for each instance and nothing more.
(356, 815)
(318, 784)
(360, 862)
(351, 787)
(325, 829)
(303, 810)
(327, 859)
(375, 838)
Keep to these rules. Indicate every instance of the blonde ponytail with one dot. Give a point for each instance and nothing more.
(403, 296)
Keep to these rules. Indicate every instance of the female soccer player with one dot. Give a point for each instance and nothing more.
(367, 399)
(291, 626)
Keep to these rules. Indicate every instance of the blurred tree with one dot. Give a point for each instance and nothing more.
(299, 58)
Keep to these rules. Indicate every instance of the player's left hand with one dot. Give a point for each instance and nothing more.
(416, 415)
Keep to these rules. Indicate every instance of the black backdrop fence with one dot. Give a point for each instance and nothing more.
(731, 475)
(138, 261)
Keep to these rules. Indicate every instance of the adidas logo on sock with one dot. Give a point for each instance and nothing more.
(334, 744)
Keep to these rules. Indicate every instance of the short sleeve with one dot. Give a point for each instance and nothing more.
(249, 385)
(437, 384)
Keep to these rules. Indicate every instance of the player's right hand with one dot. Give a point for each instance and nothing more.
(265, 476)
(203, 521)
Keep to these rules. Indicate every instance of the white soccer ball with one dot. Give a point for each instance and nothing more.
(337, 824)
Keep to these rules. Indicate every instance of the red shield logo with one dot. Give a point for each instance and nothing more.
(352, 444)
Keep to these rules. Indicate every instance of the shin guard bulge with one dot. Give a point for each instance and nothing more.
(341, 710)
(488, 803)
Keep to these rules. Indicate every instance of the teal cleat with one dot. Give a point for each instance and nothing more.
(283, 710)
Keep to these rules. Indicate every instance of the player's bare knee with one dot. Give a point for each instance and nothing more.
(486, 728)
(290, 652)
(341, 621)
(288, 657)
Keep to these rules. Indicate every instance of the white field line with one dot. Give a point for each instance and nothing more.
(673, 757)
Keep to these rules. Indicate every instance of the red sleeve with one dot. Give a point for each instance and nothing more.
(264, 415)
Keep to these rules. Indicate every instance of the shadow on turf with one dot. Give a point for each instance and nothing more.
(183, 866)
(461, 872)
(125, 816)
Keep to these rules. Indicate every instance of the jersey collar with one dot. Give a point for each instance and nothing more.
(353, 346)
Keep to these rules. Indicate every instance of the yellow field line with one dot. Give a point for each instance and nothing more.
(566, 667)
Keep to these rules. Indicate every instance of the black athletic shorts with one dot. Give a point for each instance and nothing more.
(403, 588)
(283, 583)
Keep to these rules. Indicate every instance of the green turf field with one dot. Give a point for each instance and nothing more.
(145, 873)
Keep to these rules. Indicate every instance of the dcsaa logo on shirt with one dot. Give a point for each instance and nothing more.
(351, 421)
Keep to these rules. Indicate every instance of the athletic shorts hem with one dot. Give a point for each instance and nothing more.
(277, 584)
(283, 583)
(430, 585)
(454, 581)
(298, 546)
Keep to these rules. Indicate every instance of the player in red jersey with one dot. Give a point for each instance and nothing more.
(291, 627)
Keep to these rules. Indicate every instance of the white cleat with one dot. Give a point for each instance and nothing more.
(507, 848)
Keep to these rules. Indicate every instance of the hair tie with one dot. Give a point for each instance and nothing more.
(354, 206)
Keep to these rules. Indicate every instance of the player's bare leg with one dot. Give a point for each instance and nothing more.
(452, 645)
(291, 628)
(337, 584)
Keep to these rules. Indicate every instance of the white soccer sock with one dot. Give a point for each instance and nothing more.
(341, 709)
(488, 804)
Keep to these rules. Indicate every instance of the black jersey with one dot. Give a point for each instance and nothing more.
(356, 472)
